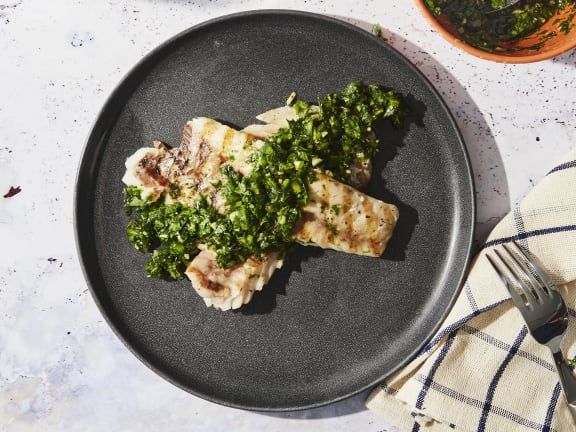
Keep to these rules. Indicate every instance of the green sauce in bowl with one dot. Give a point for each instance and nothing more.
(489, 26)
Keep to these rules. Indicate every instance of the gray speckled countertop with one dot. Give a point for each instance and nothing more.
(61, 367)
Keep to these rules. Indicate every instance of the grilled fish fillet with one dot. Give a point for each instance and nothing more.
(195, 167)
(336, 216)
(226, 289)
(340, 217)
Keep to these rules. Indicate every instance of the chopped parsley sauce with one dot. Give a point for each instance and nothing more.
(262, 208)
(489, 26)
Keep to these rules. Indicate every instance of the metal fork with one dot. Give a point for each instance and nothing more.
(541, 306)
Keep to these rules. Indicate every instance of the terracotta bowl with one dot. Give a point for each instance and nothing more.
(555, 45)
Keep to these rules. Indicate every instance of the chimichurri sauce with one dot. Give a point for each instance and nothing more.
(490, 26)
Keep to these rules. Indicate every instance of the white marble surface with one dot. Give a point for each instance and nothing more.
(61, 368)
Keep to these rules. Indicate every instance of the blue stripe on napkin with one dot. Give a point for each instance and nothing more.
(527, 234)
(487, 408)
(551, 408)
(561, 167)
(489, 339)
(455, 326)
(437, 363)
(470, 297)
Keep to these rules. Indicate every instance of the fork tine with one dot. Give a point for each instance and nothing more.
(538, 270)
(529, 294)
(537, 287)
(516, 298)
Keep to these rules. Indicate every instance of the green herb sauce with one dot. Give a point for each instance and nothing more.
(263, 207)
(489, 26)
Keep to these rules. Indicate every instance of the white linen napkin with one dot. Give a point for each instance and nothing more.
(482, 371)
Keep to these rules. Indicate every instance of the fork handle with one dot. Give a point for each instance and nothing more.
(567, 380)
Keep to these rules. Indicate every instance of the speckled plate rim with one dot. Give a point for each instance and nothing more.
(84, 230)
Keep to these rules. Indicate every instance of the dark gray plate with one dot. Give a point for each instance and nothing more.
(328, 325)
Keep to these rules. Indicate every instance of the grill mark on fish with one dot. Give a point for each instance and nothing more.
(150, 167)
